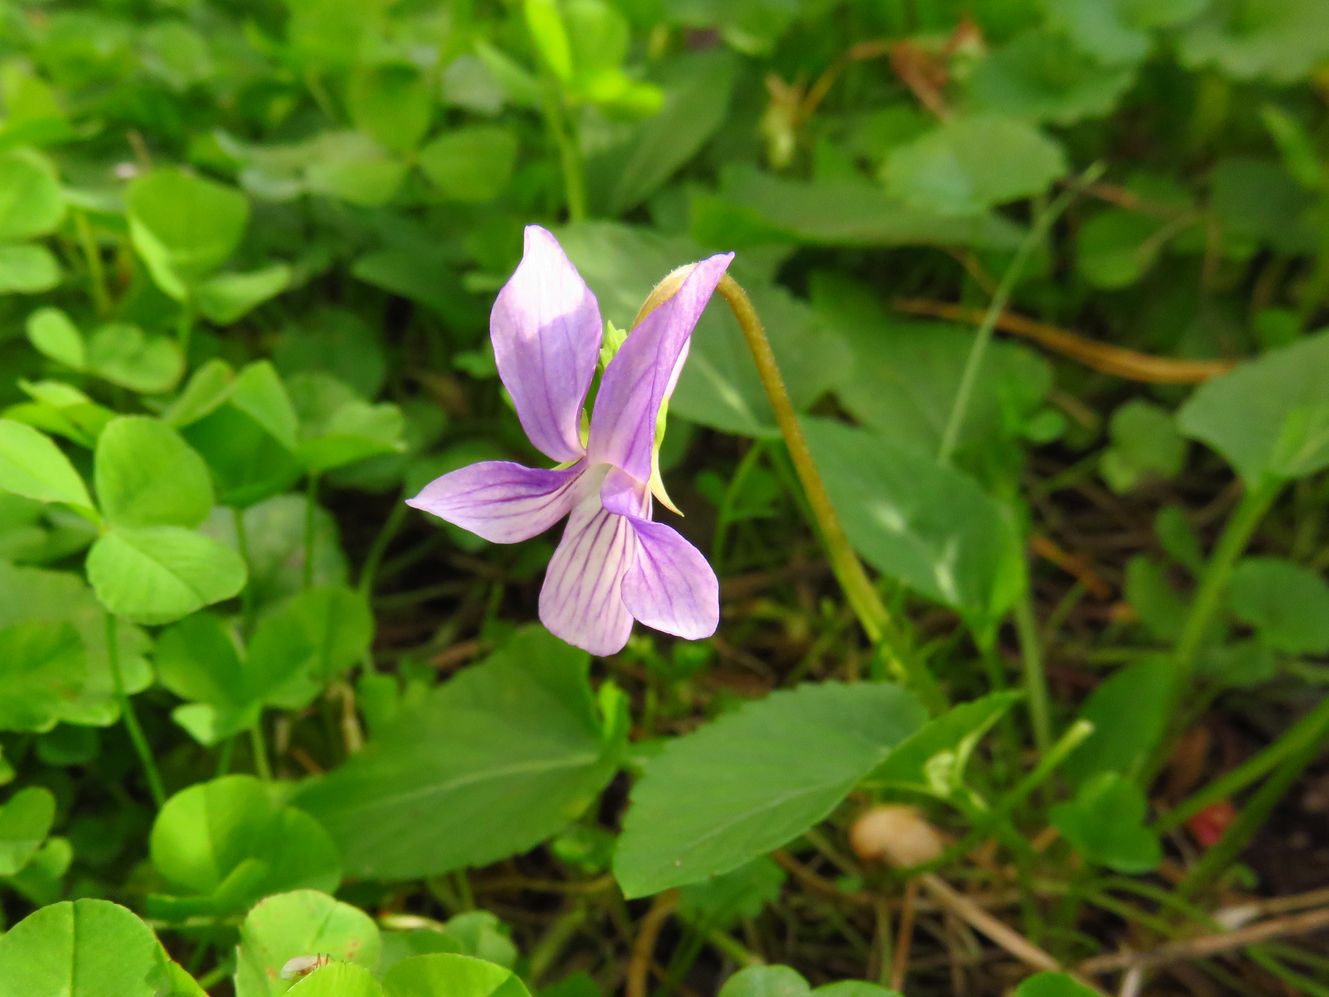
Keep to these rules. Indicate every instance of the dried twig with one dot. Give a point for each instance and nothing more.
(1209, 945)
(643, 946)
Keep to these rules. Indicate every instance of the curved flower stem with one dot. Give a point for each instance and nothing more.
(872, 613)
(136, 736)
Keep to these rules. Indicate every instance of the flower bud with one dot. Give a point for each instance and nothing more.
(895, 834)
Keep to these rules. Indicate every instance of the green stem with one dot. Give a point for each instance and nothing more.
(1043, 221)
(374, 557)
(872, 613)
(724, 517)
(224, 756)
(136, 736)
(1232, 543)
(311, 508)
(184, 330)
(246, 593)
(1035, 678)
(569, 157)
(1256, 810)
(259, 749)
(1305, 731)
(92, 256)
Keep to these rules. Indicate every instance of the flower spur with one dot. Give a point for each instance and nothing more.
(614, 564)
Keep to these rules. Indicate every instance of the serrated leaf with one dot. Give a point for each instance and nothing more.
(146, 475)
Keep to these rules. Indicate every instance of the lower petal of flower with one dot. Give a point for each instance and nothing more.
(670, 586)
(581, 601)
(501, 501)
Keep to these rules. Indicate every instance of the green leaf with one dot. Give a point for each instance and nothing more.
(299, 923)
(183, 226)
(125, 355)
(729, 792)
(27, 270)
(933, 759)
(1115, 247)
(30, 200)
(1150, 592)
(230, 296)
(25, 821)
(454, 975)
(146, 475)
(697, 89)
(472, 164)
(755, 208)
(545, 23)
(391, 103)
(338, 427)
(46, 602)
(921, 522)
(1052, 985)
(782, 981)
(500, 757)
(1269, 417)
(226, 843)
(198, 660)
(41, 668)
(34, 467)
(158, 574)
(83, 948)
(353, 168)
(340, 979)
(722, 901)
(1038, 77)
(1105, 824)
(967, 165)
(1129, 713)
(1145, 446)
(719, 386)
(1276, 40)
(308, 641)
(53, 335)
(1287, 604)
(902, 376)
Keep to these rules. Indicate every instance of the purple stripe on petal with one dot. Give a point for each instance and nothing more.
(640, 377)
(670, 586)
(501, 501)
(581, 600)
(546, 330)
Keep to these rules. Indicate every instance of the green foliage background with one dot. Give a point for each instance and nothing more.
(1043, 277)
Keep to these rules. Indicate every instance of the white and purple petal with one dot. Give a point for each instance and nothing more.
(581, 600)
(501, 501)
(670, 586)
(644, 371)
(546, 330)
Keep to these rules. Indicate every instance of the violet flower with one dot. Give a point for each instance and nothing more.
(614, 564)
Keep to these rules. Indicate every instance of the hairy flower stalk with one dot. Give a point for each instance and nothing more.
(614, 563)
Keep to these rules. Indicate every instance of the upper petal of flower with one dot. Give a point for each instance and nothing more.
(501, 501)
(546, 330)
(643, 373)
(581, 600)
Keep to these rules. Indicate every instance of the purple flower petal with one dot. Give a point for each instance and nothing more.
(581, 600)
(671, 587)
(501, 501)
(640, 377)
(546, 330)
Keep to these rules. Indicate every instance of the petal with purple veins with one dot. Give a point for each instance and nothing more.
(501, 501)
(546, 330)
(670, 586)
(581, 600)
(644, 371)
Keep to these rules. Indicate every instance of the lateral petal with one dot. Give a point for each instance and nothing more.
(670, 586)
(644, 371)
(581, 600)
(546, 330)
(501, 501)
